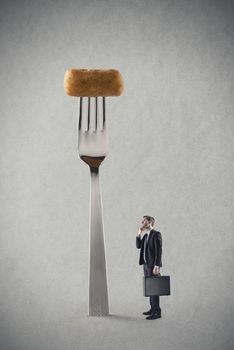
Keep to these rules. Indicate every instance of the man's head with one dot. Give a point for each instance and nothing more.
(148, 221)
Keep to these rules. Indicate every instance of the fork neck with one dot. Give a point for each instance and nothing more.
(94, 170)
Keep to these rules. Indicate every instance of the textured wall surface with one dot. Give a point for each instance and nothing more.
(171, 156)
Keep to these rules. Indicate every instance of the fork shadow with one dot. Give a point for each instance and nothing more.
(121, 317)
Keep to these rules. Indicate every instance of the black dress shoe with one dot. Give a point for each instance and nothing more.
(153, 317)
(147, 312)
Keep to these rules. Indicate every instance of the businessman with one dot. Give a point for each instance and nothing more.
(149, 241)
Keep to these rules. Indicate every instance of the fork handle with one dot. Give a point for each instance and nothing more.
(98, 293)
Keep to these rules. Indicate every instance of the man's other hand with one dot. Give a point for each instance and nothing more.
(156, 270)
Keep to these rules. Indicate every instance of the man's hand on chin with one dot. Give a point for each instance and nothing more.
(140, 231)
(156, 270)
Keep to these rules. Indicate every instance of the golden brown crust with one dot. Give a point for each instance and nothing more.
(93, 82)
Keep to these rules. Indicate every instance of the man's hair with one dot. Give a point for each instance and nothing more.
(150, 219)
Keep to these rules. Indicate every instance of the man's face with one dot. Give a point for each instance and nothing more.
(145, 223)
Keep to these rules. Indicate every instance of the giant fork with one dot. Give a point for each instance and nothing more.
(92, 148)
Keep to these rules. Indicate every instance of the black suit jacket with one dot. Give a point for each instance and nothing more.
(153, 251)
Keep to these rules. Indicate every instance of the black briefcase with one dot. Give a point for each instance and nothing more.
(156, 285)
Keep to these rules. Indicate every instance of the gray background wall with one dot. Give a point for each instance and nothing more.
(171, 156)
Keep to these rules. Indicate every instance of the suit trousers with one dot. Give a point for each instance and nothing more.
(154, 299)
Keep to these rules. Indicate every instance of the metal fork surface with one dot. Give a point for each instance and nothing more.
(92, 149)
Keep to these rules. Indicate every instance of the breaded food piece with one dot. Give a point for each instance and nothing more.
(93, 82)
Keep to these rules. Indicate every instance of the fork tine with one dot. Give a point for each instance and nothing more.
(88, 113)
(104, 112)
(80, 114)
(96, 112)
